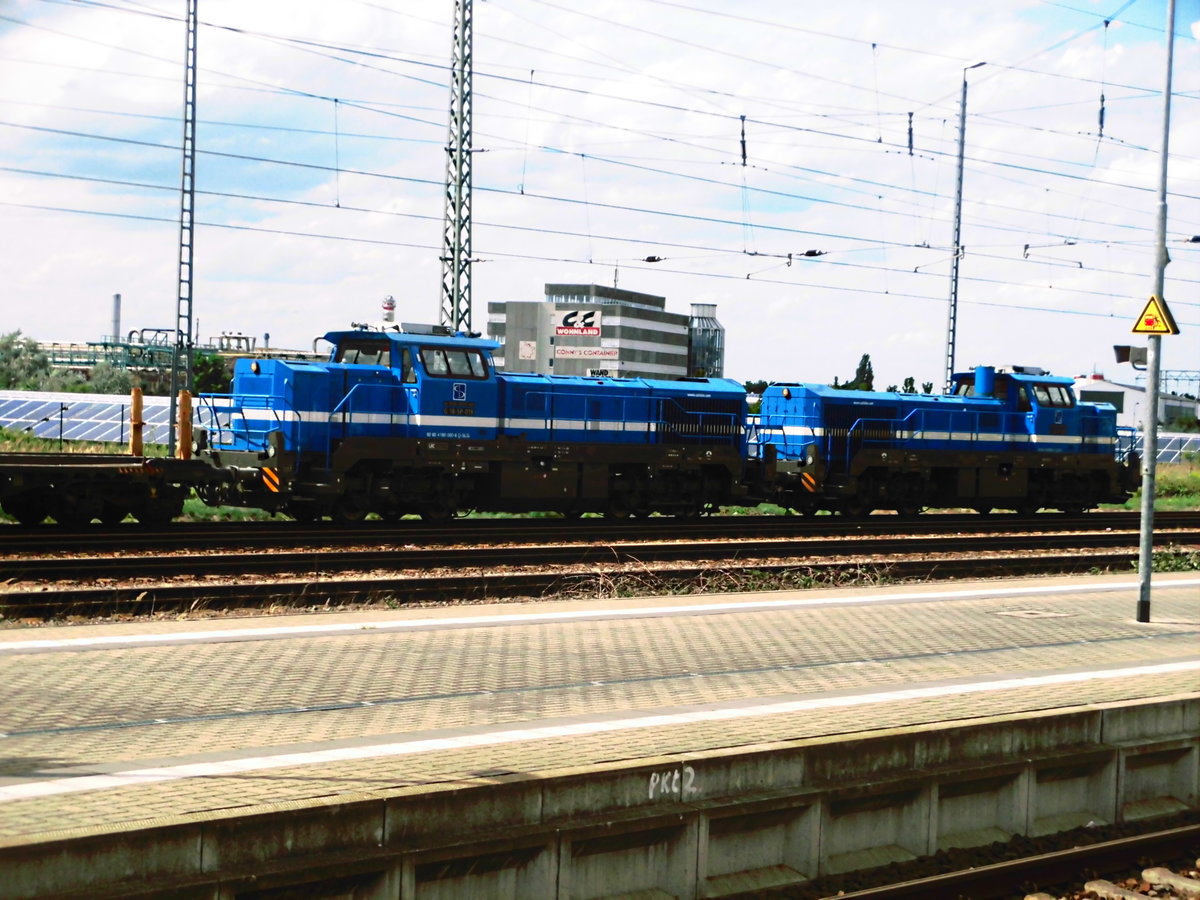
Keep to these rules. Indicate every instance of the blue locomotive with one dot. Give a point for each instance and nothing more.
(1012, 438)
(419, 421)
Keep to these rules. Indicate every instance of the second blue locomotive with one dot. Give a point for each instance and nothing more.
(1013, 438)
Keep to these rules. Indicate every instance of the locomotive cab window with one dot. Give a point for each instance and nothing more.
(967, 389)
(364, 353)
(453, 362)
(407, 373)
(1055, 396)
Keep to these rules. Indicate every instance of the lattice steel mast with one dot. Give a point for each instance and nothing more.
(456, 243)
(181, 361)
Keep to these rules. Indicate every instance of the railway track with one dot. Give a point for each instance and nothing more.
(487, 558)
(129, 537)
(1088, 871)
(49, 587)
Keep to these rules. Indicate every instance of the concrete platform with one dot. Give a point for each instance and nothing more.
(671, 747)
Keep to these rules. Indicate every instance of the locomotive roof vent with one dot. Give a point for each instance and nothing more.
(1036, 371)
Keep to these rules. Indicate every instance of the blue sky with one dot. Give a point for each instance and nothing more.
(604, 137)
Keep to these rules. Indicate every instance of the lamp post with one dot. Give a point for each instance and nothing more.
(952, 323)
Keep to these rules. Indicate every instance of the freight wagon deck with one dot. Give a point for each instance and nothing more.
(75, 488)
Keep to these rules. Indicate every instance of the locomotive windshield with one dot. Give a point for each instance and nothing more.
(1054, 395)
(364, 352)
(453, 362)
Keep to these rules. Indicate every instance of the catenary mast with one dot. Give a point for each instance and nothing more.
(181, 360)
(456, 243)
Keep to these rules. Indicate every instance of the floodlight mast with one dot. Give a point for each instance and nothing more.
(456, 243)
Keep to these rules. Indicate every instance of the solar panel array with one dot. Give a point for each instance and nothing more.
(83, 417)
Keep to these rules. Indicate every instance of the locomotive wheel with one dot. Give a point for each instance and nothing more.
(437, 511)
(618, 508)
(349, 510)
(28, 509)
(159, 510)
(984, 510)
(302, 512)
(75, 511)
(855, 508)
(909, 510)
(111, 514)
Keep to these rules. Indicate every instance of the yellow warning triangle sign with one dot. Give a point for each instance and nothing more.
(1156, 318)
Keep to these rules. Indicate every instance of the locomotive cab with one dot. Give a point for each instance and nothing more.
(1048, 416)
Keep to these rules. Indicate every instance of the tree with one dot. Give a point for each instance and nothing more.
(105, 378)
(864, 377)
(755, 387)
(209, 375)
(23, 365)
(910, 385)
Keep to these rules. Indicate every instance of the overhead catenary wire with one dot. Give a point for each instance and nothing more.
(831, 133)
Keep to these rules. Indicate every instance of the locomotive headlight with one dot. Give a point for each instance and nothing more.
(787, 393)
(255, 367)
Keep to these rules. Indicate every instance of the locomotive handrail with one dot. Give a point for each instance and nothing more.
(725, 426)
(345, 407)
(549, 418)
(712, 426)
(1128, 440)
(966, 424)
(236, 405)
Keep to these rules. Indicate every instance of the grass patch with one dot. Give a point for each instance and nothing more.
(1174, 559)
(196, 510)
(1176, 488)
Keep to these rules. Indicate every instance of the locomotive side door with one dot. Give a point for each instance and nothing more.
(411, 389)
